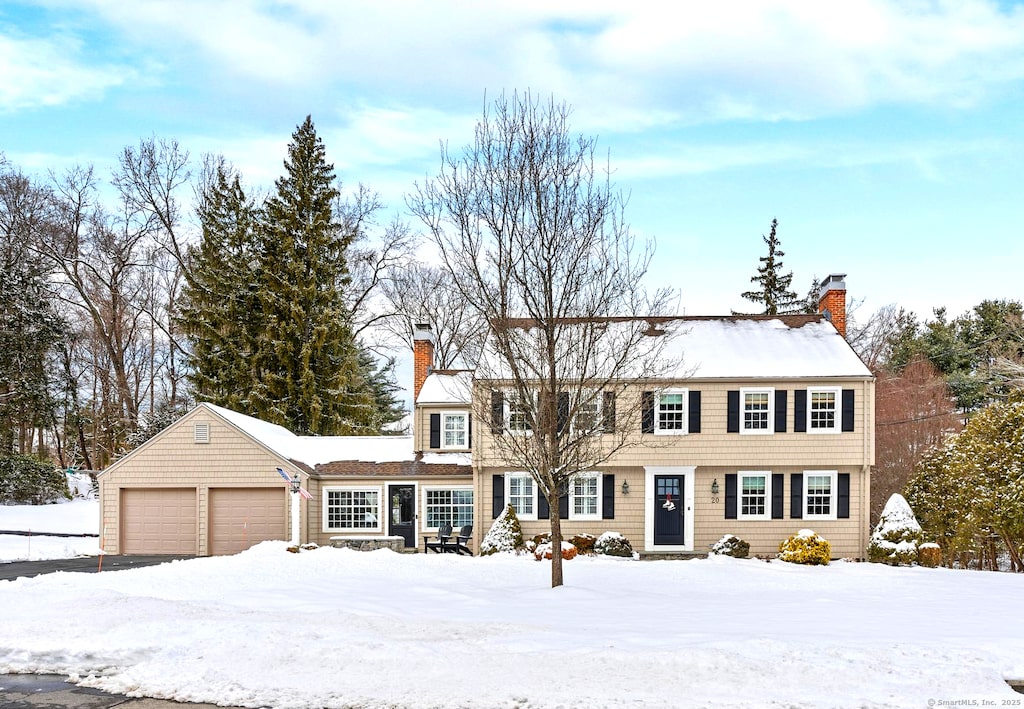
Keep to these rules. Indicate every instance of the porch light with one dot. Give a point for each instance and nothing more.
(625, 487)
(714, 486)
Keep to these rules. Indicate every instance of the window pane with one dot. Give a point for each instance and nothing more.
(753, 495)
(455, 431)
(823, 409)
(819, 494)
(454, 507)
(352, 509)
(520, 494)
(670, 412)
(584, 492)
(755, 410)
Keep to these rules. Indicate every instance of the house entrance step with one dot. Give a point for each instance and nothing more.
(672, 555)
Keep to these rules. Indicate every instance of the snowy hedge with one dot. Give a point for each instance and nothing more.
(897, 535)
(28, 480)
(806, 547)
(613, 544)
(505, 534)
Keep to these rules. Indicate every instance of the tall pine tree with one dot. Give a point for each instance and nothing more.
(220, 312)
(310, 380)
(773, 292)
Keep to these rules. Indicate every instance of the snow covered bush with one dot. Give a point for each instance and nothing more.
(613, 544)
(28, 480)
(505, 534)
(897, 535)
(731, 545)
(929, 554)
(544, 551)
(806, 547)
(584, 543)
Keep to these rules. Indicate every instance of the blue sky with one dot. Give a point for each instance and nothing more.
(886, 137)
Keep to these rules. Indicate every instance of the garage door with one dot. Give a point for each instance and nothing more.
(241, 517)
(159, 521)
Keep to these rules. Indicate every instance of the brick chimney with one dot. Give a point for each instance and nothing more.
(832, 301)
(422, 356)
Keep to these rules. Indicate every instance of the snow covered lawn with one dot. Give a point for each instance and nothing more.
(336, 628)
(75, 517)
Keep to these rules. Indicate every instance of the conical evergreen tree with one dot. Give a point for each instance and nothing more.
(774, 292)
(311, 379)
(221, 313)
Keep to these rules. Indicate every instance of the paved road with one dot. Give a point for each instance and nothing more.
(53, 692)
(86, 564)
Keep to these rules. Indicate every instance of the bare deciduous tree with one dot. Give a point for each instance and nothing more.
(532, 232)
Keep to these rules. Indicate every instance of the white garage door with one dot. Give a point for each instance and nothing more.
(241, 517)
(158, 521)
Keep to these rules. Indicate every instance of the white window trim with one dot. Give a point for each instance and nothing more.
(508, 494)
(658, 430)
(838, 427)
(770, 428)
(508, 416)
(465, 429)
(434, 488)
(597, 398)
(834, 494)
(600, 497)
(353, 488)
(767, 475)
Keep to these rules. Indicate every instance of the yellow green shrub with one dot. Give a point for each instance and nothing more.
(806, 547)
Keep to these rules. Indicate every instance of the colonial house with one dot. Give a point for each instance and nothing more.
(769, 428)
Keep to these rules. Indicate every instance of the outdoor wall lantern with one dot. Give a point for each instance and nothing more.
(714, 487)
(625, 487)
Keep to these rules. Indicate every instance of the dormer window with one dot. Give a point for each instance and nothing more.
(454, 430)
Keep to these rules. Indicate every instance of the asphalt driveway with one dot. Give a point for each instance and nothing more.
(83, 564)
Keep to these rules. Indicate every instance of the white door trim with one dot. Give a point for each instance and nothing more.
(688, 472)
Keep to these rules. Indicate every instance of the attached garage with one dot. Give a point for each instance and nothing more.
(242, 517)
(158, 521)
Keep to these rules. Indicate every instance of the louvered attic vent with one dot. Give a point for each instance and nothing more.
(201, 432)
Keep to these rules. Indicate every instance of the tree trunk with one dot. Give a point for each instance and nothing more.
(556, 537)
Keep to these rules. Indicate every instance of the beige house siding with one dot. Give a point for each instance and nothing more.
(847, 536)
(173, 459)
(314, 519)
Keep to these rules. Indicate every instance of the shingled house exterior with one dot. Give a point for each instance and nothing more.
(769, 428)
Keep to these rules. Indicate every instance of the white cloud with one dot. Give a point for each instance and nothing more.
(49, 72)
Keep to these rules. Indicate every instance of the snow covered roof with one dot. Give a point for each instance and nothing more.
(446, 387)
(319, 450)
(733, 347)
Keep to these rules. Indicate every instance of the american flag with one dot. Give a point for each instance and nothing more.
(305, 493)
(284, 475)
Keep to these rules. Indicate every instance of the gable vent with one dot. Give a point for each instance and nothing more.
(201, 432)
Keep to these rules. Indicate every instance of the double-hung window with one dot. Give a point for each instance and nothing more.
(670, 411)
(454, 430)
(755, 494)
(452, 506)
(518, 414)
(758, 410)
(820, 495)
(348, 509)
(522, 495)
(823, 410)
(588, 413)
(585, 496)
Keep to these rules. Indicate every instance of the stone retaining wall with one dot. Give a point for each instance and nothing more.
(396, 544)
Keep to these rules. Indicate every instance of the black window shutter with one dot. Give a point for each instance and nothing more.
(694, 412)
(848, 406)
(730, 495)
(647, 412)
(778, 481)
(608, 496)
(543, 509)
(563, 410)
(796, 496)
(780, 411)
(497, 412)
(497, 495)
(435, 430)
(469, 425)
(563, 505)
(843, 499)
(800, 411)
(608, 412)
(733, 417)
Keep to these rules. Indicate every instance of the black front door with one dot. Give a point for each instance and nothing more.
(668, 510)
(402, 519)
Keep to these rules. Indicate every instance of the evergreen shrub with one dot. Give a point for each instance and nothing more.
(613, 544)
(731, 545)
(505, 534)
(584, 543)
(806, 547)
(27, 480)
(897, 535)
